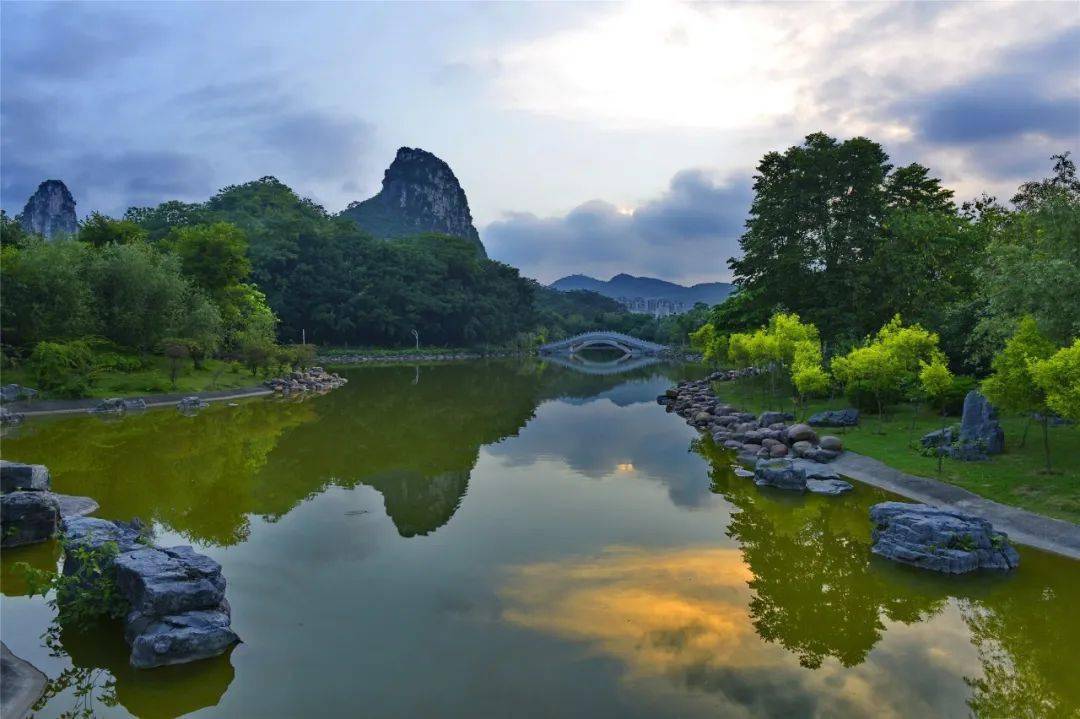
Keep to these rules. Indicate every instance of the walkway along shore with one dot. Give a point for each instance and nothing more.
(67, 406)
(1022, 526)
(696, 401)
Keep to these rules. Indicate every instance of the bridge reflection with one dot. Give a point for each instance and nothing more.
(578, 363)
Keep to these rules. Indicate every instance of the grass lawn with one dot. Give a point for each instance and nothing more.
(154, 379)
(1014, 477)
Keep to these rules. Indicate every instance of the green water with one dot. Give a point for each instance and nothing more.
(518, 539)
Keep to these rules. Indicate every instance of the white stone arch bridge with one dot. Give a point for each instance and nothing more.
(629, 346)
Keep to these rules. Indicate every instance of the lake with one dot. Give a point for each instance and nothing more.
(516, 538)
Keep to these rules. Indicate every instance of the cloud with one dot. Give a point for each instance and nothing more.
(685, 234)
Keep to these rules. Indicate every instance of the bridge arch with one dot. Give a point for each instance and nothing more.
(630, 346)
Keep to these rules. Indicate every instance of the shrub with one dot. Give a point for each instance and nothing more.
(65, 369)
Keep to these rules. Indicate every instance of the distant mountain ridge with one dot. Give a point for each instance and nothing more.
(630, 287)
(420, 194)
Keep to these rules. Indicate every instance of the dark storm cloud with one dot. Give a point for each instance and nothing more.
(1010, 119)
(993, 108)
(666, 237)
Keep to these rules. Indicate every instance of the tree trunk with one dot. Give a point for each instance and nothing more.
(1046, 440)
(1023, 437)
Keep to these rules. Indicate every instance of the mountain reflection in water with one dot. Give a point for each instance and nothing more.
(456, 539)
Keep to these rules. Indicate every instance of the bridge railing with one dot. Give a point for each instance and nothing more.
(603, 334)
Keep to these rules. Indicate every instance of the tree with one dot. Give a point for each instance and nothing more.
(1058, 377)
(807, 374)
(176, 350)
(12, 233)
(44, 293)
(936, 381)
(98, 230)
(1011, 386)
(214, 256)
(887, 363)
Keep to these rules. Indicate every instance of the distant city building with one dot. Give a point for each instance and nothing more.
(655, 306)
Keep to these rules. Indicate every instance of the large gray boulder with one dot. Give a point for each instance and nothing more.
(835, 418)
(769, 418)
(160, 582)
(801, 433)
(27, 518)
(93, 533)
(179, 638)
(779, 473)
(942, 540)
(16, 476)
(980, 431)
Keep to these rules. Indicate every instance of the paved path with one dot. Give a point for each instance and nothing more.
(1053, 535)
(60, 406)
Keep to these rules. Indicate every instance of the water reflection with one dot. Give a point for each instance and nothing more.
(541, 492)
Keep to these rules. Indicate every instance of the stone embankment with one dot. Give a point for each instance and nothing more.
(448, 356)
(785, 454)
(313, 381)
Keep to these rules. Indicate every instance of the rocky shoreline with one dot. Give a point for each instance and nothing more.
(176, 597)
(450, 356)
(791, 456)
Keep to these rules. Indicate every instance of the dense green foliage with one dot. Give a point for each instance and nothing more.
(840, 236)
(324, 276)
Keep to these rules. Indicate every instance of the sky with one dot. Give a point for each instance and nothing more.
(592, 138)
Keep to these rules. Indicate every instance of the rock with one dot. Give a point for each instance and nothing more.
(751, 448)
(419, 194)
(733, 444)
(21, 684)
(770, 418)
(831, 443)
(16, 476)
(113, 405)
(179, 638)
(801, 433)
(134, 403)
(16, 392)
(817, 454)
(778, 450)
(801, 448)
(27, 518)
(835, 418)
(94, 533)
(980, 432)
(72, 506)
(814, 470)
(7, 417)
(830, 487)
(191, 404)
(779, 473)
(703, 417)
(160, 582)
(938, 438)
(50, 211)
(742, 472)
(939, 539)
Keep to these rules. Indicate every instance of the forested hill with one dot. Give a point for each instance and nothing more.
(623, 285)
(323, 274)
(420, 193)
